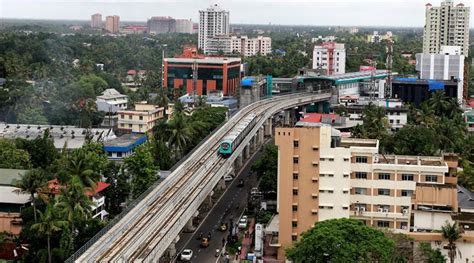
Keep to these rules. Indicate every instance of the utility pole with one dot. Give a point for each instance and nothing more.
(388, 87)
(195, 77)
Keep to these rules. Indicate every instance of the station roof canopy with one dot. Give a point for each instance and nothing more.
(351, 77)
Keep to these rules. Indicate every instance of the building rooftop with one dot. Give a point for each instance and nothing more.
(111, 94)
(70, 136)
(125, 143)
(206, 60)
(411, 160)
(423, 81)
(465, 198)
(352, 76)
(8, 176)
(12, 195)
(356, 142)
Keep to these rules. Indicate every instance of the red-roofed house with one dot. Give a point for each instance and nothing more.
(97, 199)
(323, 118)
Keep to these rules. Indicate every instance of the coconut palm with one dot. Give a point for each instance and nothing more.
(78, 166)
(48, 225)
(30, 183)
(73, 203)
(452, 233)
(180, 136)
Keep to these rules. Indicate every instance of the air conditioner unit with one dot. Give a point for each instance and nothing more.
(357, 208)
(380, 210)
(385, 211)
(405, 211)
(362, 209)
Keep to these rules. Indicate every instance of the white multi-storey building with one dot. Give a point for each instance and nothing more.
(213, 21)
(239, 45)
(331, 57)
(184, 26)
(447, 25)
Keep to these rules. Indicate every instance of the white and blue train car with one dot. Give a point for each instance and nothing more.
(230, 142)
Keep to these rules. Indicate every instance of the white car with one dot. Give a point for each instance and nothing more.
(186, 255)
(228, 178)
(243, 223)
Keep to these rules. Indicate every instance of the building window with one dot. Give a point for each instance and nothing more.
(294, 224)
(130, 126)
(384, 176)
(331, 159)
(119, 154)
(384, 191)
(361, 175)
(346, 159)
(122, 116)
(383, 223)
(296, 144)
(407, 177)
(130, 117)
(407, 192)
(294, 237)
(295, 176)
(295, 160)
(141, 118)
(432, 178)
(295, 191)
(295, 208)
(122, 124)
(361, 159)
(360, 191)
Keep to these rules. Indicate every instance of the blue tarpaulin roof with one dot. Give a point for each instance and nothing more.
(246, 82)
(406, 79)
(435, 85)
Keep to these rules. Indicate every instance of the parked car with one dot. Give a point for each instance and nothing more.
(228, 178)
(243, 222)
(186, 255)
(223, 227)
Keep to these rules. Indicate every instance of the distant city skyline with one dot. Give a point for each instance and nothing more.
(400, 13)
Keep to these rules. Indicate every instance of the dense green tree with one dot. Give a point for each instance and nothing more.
(48, 225)
(266, 169)
(41, 150)
(466, 176)
(30, 183)
(142, 169)
(337, 240)
(11, 157)
(431, 255)
(119, 188)
(416, 140)
(451, 232)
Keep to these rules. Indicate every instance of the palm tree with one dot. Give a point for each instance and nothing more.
(48, 225)
(30, 183)
(439, 103)
(180, 136)
(452, 233)
(73, 202)
(78, 166)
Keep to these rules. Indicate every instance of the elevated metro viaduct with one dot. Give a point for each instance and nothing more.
(151, 224)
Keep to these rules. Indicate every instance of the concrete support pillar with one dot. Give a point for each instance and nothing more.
(172, 250)
(221, 184)
(254, 143)
(246, 152)
(189, 227)
(268, 127)
(261, 136)
(238, 162)
(286, 118)
(303, 109)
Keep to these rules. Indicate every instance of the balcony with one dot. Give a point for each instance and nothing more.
(377, 214)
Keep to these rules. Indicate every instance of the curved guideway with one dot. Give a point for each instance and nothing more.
(154, 223)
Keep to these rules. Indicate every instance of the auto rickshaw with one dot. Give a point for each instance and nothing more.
(204, 242)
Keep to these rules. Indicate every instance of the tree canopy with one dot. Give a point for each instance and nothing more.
(340, 240)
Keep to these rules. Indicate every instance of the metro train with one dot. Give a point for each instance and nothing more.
(230, 142)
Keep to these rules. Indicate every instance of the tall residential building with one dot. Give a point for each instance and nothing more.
(213, 21)
(161, 25)
(239, 45)
(331, 57)
(96, 21)
(112, 24)
(184, 26)
(322, 175)
(447, 25)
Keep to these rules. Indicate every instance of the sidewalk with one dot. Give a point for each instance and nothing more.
(247, 240)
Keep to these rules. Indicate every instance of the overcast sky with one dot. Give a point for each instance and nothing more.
(296, 12)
